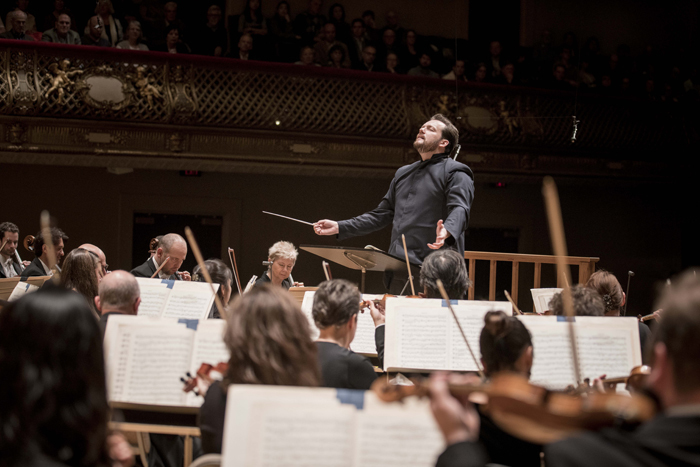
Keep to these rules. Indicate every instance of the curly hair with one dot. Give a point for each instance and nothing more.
(54, 400)
(270, 341)
(586, 302)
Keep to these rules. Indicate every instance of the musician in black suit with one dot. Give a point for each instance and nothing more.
(171, 246)
(670, 439)
(40, 265)
(9, 237)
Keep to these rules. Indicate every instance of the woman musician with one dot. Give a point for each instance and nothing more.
(281, 258)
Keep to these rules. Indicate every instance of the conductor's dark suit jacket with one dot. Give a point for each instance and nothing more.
(148, 268)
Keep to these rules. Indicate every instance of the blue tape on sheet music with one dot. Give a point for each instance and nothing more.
(564, 318)
(190, 323)
(452, 302)
(168, 283)
(354, 397)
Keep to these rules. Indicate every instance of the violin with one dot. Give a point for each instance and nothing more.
(381, 302)
(534, 413)
(634, 382)
(205, 376)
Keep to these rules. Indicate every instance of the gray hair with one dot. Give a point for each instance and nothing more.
(121, 293)
(448, 266)
(282, 250)
(14, 13)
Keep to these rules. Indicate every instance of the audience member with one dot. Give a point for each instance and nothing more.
(55, 411)
(387, 46)
(338, 57)
(507, 76)
(49, 20)
(253, 23)
(62, 33)
(372, 34)
(30, 21)
(322, 48)
(82, 273)
(282, 257)
(392, 23)
(269, 343)
(17, 21)
(119, 294)
(172, 248)
(211, 38)
(133, 38)
(495, 61)
(408, 53)
(335, 311)
(173, 44)
(282, 31)
(357, 42)
(558, 81)
(245, 47)
(93, 36)
(169, 18)
(336, 16)
(423, 69)
(369, 54)
(9, 238)
(391, 64)
(40, 265)
(308, 24)
(481, 73)
(457, 72)
(111, 26)
(219, 274)
(306, 57)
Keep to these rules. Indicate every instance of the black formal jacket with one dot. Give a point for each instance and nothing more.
(35, 269)
(148, 268)
(344, 369)
(14, 265)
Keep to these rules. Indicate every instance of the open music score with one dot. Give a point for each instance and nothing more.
(146, 357)
(606, 345)
(322, 427)
(421, 335)
(542, 297)
(364, 342)
(13, 288)
(175, 299)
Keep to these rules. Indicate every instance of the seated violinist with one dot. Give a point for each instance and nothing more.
(506, 346)
(40, 265)
(445, 264)
(335, 311)
(586, 301)
(172, 249)
(220, 274)
(608, 287)
(282, 256)
(670, 439)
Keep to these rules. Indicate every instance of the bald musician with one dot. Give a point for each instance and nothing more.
(428, 201)
(119, 293)
(100, 254)
(672, 438)
(40, 265)
(171, 246)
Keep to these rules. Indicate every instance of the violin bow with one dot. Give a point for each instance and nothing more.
(327, 270)
(408, 264)
(446, 297)
(160, 267)
(556, 231)
(203, 269)
(232, 257)
(515, 307)
(45, 221)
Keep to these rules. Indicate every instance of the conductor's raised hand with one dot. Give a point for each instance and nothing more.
(326, 227)
(441, 234)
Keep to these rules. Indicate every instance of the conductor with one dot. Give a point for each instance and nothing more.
(428, 199)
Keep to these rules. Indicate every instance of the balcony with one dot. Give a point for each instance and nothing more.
(86, 106)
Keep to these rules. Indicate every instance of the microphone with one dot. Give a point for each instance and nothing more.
(627, 294)
(573, 136)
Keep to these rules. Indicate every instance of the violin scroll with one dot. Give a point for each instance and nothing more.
(29, 243)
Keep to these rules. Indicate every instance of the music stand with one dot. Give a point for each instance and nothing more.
(361, 259)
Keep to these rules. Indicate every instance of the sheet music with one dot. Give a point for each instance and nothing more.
(542, 297)
(606, 345)
(190, 300)
(147, 362)
(208, 347)
(154, 294)
(21, 289)
(422, 334)
(307, 306)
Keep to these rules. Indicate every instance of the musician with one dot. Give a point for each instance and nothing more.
(586, 301)
(609, 288)
(283, 256)
(673, 437)
(40, 265)
(171, 246)
(53, 402)
(9, 236)
(428, 201)
(82, 273)
(100, 254)
(269, 342)
(220, 274)
(444, 264)
(335, 311)
(119, 293)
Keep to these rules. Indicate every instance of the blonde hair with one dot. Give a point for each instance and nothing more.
(282, 250)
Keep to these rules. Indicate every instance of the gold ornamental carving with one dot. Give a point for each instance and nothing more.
(145, 86)
(105, 89)
(62, 79)
(16, 134)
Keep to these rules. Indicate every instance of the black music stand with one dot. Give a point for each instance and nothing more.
(361, 259)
